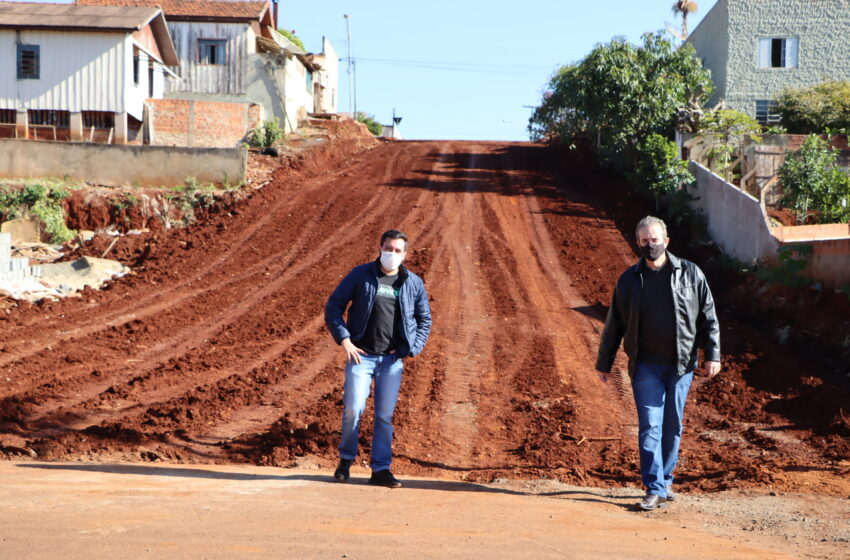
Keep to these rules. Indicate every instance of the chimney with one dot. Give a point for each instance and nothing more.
(275, 2)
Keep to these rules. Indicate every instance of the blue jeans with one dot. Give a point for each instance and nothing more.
(386, 371)
(660, 395)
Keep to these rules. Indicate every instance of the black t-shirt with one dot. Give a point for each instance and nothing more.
(382, 330)
(657, 319)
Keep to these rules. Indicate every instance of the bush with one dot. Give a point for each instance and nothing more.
(660, 171)
(374, 126)
(291, 36)
(266, 135)
(815, 189)
(815, 109)
(44, 203)
(618, 95)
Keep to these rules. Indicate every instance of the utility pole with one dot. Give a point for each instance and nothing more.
(351, 103)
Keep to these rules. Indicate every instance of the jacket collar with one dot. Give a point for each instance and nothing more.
(403, 273)
(675, 262)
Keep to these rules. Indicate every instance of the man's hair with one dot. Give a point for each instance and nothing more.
(649, 221)
(394, 234)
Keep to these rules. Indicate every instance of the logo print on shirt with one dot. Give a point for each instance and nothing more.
(387, 291)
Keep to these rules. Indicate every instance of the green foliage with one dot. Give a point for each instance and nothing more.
(724, 131)
(44, 202)
(814, 188)
(813, 110)
(369, 120)
(793, 260)
(292, 37)
(618, 95)
(266, 135)
(660, 171)
(776, 129)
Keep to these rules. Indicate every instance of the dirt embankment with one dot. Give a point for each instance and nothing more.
(215, 351)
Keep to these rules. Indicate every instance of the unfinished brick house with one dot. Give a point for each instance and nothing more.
(80, 72)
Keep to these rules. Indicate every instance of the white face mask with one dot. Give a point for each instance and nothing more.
(390, 260)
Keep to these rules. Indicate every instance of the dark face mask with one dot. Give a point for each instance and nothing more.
(652, 251)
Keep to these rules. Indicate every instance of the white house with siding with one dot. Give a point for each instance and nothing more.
(231, 51)
(70, 70)
(756, 48)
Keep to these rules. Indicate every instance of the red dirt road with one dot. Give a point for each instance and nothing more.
(215, 351)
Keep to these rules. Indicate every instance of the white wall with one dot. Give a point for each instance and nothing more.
(78, 71)
(736, 221)
(136, 94)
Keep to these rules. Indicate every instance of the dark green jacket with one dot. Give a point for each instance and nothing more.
(696, 320)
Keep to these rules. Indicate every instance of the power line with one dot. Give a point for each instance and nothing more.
(500, 69)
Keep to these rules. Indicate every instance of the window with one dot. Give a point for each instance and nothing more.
(211, 51)
(309, 82)
(766, 112)
(7, 116)
(28, 62)
(98, 119)
(778, 53)
(136, 69)
(42, 117)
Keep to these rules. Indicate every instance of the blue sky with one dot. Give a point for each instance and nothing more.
(465, 69)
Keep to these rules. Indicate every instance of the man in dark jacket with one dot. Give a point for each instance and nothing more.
(663, 311)
(389, 319)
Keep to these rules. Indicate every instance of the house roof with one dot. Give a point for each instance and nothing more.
(70, 16)
(177, 10)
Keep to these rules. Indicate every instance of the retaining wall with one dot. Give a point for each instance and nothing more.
(737, 223)
(109, 164)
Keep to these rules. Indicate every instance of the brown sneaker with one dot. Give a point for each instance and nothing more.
(651, 502)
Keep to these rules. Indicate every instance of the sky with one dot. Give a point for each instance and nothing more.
(465, 69)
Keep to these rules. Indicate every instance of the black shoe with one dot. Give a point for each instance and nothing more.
(651, 502)
(384, 478)
(671, 495)
(341, 473)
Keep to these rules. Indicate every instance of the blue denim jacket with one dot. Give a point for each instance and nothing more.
(359, 288)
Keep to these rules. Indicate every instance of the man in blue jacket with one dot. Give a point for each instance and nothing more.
(389, 319)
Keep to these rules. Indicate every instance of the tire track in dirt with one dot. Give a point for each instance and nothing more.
(183, 290)
(186, 339)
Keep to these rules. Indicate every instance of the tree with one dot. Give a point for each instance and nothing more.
(618, 95)
(684, 8)
(721, 132)
(815, 109)
(814, 188)
(660, 172)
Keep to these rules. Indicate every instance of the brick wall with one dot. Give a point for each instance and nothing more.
(207, 124)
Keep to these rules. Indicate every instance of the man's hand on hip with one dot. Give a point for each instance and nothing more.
(712, 368)
(352, 353)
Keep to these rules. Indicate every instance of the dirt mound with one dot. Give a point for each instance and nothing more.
(215, 350)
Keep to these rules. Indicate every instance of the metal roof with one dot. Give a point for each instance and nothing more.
(195, 9)
(71, 16)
